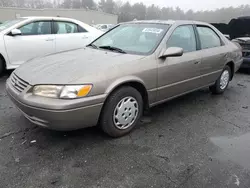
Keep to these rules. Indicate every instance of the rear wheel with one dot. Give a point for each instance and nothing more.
(222, 82)
(121, 112)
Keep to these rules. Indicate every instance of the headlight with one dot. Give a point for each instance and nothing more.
(47, 91)
(73, 91)
(64, 92)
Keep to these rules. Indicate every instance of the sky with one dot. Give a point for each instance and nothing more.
(194, 4)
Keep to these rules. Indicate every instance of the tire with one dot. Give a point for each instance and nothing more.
(219, 87)
(123, 105)
(2, 67)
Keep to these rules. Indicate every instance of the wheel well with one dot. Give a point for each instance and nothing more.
(231, 65)
(140, 88)
(2, 58)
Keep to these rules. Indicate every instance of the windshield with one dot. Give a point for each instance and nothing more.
(134, 38)
(9, 23)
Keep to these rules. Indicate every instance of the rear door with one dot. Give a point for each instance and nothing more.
(70, 36)
(36, 40)
(214, 54)
(178, 75)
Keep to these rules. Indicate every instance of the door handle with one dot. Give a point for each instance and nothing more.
(85, 37)
(49, 39)
(197, 62)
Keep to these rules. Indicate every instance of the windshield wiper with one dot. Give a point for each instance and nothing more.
(112, 48)
(92, 45)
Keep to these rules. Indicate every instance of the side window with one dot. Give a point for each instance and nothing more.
(37, 28)
(208, 38)
(183, 37)
(81, 29)
(65, 27)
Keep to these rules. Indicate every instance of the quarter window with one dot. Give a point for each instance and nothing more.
(208, 38)
(183, 37)
(81, 29)
(36, 28)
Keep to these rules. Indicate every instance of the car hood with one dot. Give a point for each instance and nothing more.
(71, 67)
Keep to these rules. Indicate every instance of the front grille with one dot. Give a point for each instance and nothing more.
(245, 46)
(246, 54)
(18, 83)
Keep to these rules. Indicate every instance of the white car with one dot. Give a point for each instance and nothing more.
(30, 37)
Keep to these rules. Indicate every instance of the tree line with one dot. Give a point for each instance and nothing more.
(127, 11)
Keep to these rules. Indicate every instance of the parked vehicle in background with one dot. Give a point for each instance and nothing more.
(104, 27)
(29, 37)
(134, 66)
(222, 27)
(240, 33)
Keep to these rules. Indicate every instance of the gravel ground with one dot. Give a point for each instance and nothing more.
(198, 140)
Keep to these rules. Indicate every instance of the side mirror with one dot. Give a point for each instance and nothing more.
(227, 36)
(16, 32)
(172, 52)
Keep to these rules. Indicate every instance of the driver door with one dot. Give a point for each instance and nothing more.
(179, 75)
(36, 40)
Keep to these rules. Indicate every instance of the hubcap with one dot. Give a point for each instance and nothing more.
(224, 79)
(125, 113)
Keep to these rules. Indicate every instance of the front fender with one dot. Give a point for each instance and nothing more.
(123, 80)
(3, 51)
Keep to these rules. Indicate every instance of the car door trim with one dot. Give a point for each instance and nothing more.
(198, 41)
(187, 80)
(176, 96)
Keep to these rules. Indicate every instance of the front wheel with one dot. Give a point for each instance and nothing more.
(2, 67)
(222, 82)
(121, 112)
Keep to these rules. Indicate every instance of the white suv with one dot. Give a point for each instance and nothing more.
(30, 37)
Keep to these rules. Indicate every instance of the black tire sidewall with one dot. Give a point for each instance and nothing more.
(1, 66)
(107, 122)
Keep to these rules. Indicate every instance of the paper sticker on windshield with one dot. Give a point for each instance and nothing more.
(152, 30)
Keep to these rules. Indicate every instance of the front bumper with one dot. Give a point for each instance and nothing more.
(58, 118)
(238, 64)
(246, 58)
(246, 63)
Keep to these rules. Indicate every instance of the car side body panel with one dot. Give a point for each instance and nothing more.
(144, 71)
(178, 74)
(212, 63)
(3, 52)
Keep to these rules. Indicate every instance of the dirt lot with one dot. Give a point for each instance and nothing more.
(198, 140)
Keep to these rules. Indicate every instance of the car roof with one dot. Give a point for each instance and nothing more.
(168, 22)
(84, 25)
(49, 18)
